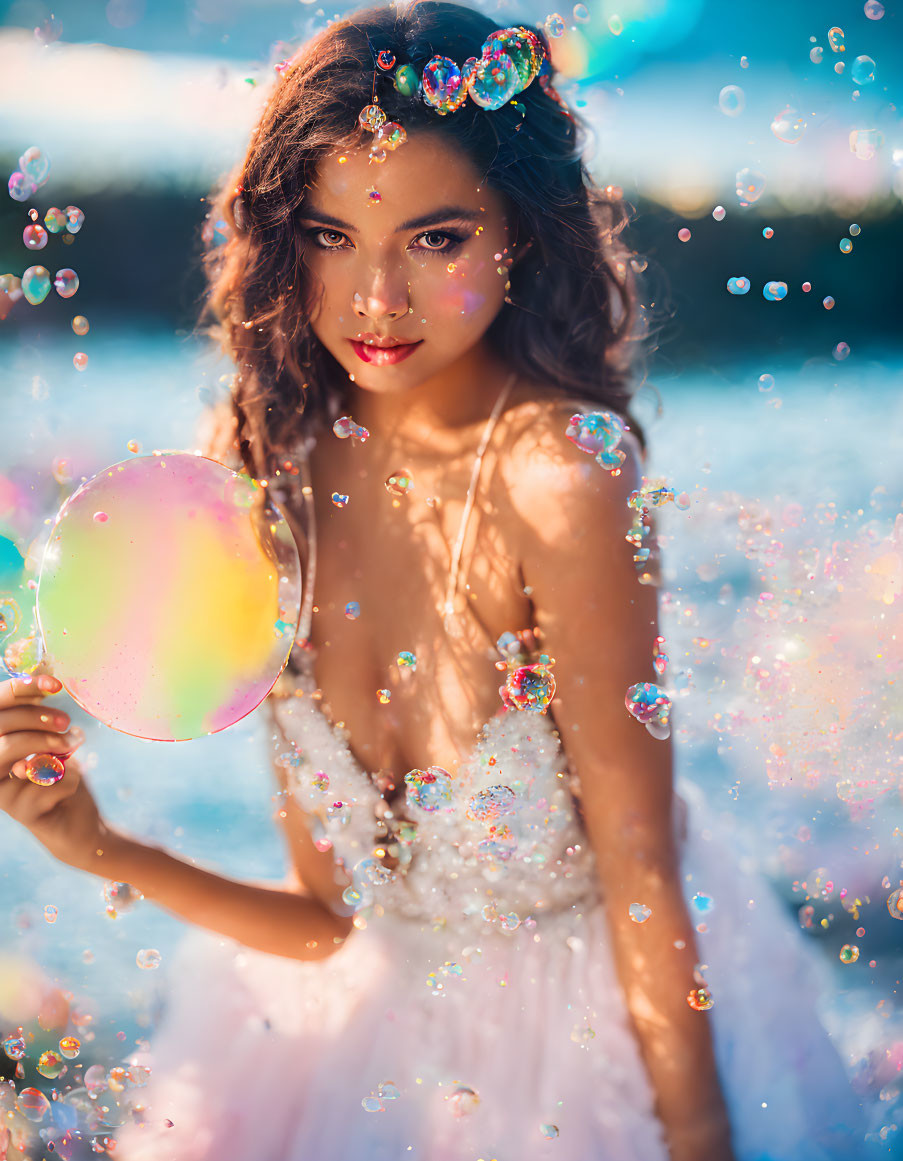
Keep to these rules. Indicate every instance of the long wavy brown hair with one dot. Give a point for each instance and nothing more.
(571, 321)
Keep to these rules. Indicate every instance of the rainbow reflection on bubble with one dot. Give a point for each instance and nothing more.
(172, 618)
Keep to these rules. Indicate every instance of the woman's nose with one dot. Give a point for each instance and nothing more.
(382, 299)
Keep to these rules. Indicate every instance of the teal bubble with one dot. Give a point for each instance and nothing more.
(738, 285)
(863, 70)
(494, 80)
(845, 245)
(36, 284)
(774, 291)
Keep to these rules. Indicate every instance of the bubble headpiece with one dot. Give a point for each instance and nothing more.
(509, 61)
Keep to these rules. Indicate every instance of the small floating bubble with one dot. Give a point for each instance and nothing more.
(34, 237)
(684, 234)
(838, 67)
(148, 958)
(774, 291)
(80, 361)
(854, 229)
(835, 39)
(849, 953)
(841, 351)
(816, 54)
(863, 70)
(744, 62)
(718, 213)
(766, 382)
(828, 302)
(639, 912)
(807, 286)
(788, 125)
(80, 325)
(581, 13)
(845, 245)
(873, 9)
(768, 232)
(731, 100)
(750, 185)
(340, 500)
(353, 610)
(738, 285)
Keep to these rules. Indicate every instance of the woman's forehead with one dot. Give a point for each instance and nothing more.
(425, 174)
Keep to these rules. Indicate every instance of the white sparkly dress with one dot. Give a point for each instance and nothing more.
(478, 1014)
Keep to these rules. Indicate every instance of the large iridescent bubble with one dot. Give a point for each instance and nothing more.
(169, 596)
(443, 85)
(494, 80)
(515, 43)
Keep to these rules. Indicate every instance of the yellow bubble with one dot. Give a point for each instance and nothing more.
(80, 325)
(70, 1046)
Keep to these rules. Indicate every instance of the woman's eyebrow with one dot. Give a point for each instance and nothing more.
(443, 214)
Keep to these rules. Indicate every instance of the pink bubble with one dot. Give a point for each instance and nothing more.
(80, 361)
(684, 234)
(807, 286)
(100, 517)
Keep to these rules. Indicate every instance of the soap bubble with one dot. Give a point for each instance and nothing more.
(807, 286)
(353, 610)
(428, 789)
(44, 769)
(788, 125)
(646, 701)
(684, 234)
(598, 433)
(340, 500)
(841, 351)
(148, 959)
(491, 804)
(738, 285)
(529, 688)
(34, 237)
(855, 230)
(55, 220)
(70, 1046)
(371, 117)
(75, 219)
(750, 185)
(828, 302)
(80, 325)
(731, 100)
(700, 999)
(177, 643)
(345, 428)
(816, 54)
(838, 67)
(766, 382)
(768, 232)
(849, 953)
(20, 186)
(521, 46)
(14, 1047)
(51, 913)
(399, 483)
(615, 25)
(835, 39)
(65, 282)
(32, 1104)
(550, 1132)
(873, 9)
(639, 912)
(581, 13)
(774, 291)
(493, 80)
(718, 213)
(50, 1064)
(35, 164)
(555, 26)
(894, 905)
(80, 361)
(443, 85)
(845, 245)
(865, 143)
(863, 70)
(463, 1101)
(36, 284)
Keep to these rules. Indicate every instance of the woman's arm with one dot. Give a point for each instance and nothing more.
(599, 623)
(274, 919)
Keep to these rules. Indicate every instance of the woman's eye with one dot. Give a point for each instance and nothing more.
(436, 242)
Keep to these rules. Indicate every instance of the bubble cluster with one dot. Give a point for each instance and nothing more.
(649, 704)
(491, 804)
(529, 687)
(598, 433)
(33, 171)
(738, 285)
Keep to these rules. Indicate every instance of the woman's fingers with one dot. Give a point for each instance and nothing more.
(16, 746)
(21, 690)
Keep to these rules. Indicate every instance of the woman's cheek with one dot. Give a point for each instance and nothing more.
(468, 291)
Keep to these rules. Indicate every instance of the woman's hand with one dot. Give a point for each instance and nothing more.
(64, 817)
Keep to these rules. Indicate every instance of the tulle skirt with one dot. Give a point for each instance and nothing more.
(404, 1043)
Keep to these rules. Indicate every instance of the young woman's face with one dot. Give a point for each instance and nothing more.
(424, 264)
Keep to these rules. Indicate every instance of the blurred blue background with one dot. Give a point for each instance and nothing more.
(141, 107)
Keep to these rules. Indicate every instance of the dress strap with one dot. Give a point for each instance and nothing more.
(452, 587)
